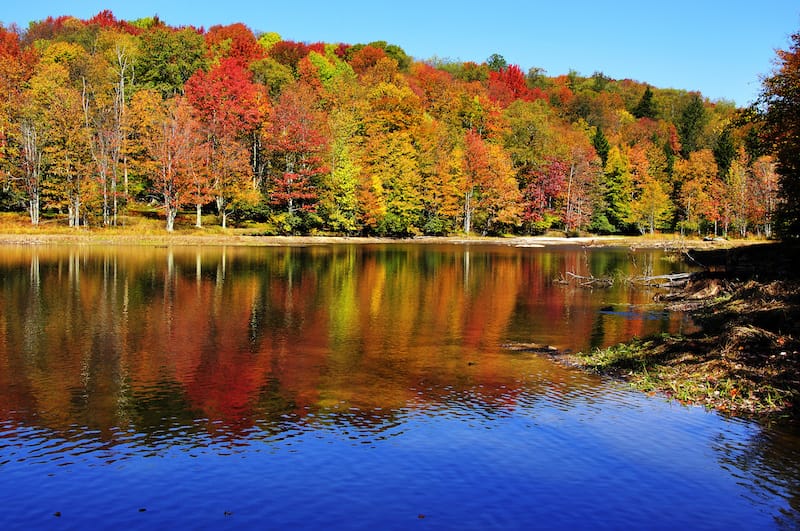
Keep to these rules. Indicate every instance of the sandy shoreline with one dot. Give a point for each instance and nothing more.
(243, 239)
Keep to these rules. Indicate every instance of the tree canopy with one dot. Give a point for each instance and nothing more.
(101, 117)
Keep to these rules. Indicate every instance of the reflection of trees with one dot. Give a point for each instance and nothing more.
(233, 339)
(567, 315)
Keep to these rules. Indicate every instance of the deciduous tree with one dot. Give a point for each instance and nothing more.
(491, 194)
(297, 140)
(228, 105)
(780, 100)
(699, 190)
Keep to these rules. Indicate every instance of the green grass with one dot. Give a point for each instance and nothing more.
(669, 366)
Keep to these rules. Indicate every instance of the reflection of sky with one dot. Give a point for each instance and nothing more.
(611, 460)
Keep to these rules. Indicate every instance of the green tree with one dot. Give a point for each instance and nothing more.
(601, 145)
(496, 62)
(724, 151)
(618, 189)
(646, 108)
(168, 58)
(691, 123)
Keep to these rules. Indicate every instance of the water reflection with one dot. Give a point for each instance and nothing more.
(113, 355)
(111, 337)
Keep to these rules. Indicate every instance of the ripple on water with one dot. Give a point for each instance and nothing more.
(508, 457)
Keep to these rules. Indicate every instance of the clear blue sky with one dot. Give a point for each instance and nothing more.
(721, 48)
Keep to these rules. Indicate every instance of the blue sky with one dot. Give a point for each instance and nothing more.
(721, 48)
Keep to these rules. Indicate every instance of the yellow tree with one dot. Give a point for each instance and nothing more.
(736, 194)
(34, 133)
(67, 150)
(389, 188)
(763, 194)
(441, 172)
(16, 66)
(651, 205)
(699, 190)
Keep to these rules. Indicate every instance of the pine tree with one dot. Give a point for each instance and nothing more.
(646, 107)
(601, 145)
(691, 124)
(724, 152)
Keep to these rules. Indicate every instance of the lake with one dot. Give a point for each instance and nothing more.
(356, 387)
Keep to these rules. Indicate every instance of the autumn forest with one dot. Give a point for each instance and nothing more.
(102, 119)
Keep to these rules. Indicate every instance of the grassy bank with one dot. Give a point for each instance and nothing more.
(745, 360)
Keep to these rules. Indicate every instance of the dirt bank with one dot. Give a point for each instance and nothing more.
(746, 358)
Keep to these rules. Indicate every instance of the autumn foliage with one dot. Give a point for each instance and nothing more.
(102, 117)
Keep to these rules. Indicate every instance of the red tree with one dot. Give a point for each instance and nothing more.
(234, 41)
(106, 19)
(225, 98)
(289, 53)
(298, 143)
(227, 103)
(508, 84)
(544, 191)
(366, 58)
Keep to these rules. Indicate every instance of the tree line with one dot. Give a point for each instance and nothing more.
(100, 118)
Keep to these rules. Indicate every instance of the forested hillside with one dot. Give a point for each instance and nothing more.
(101, 118)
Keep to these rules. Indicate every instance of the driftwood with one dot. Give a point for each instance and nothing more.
(591, 281)
(530, 347)
(675, 280)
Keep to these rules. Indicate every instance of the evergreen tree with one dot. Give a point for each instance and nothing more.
(690, 125)
(724, 152)
(646, 107)
(496, 62)
(601, 145)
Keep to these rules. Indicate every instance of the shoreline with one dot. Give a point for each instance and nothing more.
(238, 237)
(744, 360)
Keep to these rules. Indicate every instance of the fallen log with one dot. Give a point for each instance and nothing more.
(530, 347)
(674, 280)
(590, 281)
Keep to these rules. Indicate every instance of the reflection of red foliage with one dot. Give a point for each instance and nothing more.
(249, 336)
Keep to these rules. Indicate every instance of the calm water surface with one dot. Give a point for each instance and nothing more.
(360, 387)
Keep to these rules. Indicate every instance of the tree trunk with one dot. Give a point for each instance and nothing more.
(199, 222)
(33, 209)
(468, 212)
(76, 208)
(172, 213)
